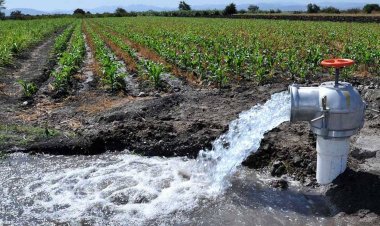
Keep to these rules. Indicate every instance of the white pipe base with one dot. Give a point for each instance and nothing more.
(331, 159)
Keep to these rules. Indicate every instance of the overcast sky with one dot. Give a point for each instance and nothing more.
(70, 4)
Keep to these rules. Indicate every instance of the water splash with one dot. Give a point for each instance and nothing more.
(127, 189)
(243, 137)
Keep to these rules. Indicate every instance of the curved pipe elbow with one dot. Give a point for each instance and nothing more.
(304, 103)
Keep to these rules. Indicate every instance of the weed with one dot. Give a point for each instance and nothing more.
(21, 135)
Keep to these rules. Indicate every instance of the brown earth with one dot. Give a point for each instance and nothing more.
(179, 121)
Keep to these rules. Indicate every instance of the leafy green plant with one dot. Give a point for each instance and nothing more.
(62, 41)
(69, 60)
(154, 71)
(28, 88)
(110, 68)
(17, 36)
(258, 48)
(112, 77)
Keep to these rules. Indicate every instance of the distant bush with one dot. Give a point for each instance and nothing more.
(181, 13)
(217, 13)
(253, 8)
(353, 11)
(205, 13)
(369, 8)
(275, 11)
(330, 10)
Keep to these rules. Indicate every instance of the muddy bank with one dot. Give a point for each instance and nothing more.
(178, 124)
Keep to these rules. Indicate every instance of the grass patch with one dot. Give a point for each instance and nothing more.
(21, 135)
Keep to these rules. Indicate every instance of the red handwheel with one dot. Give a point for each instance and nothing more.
(337, 63)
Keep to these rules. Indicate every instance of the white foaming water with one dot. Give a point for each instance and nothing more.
(128, 189)
(243, 137)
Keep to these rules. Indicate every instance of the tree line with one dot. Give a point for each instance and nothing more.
(185, 10)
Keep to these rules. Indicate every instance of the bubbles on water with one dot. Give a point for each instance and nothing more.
(128, 189)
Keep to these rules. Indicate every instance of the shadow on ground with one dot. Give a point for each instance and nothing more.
(354, 191)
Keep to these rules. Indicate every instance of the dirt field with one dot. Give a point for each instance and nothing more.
(179, 121)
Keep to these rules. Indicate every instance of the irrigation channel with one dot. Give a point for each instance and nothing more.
(128, 189)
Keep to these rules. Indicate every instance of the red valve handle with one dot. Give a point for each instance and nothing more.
(337, 63)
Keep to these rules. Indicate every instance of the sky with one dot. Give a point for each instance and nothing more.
(88, 4)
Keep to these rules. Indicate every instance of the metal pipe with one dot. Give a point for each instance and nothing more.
(337, 72)
(335, 112)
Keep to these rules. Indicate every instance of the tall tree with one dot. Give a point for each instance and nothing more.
(2, 2)
(369, 8)
(120, 12)
(313, 8)
(230, 9)
(16, 15)
(79, 12)
(184, 6)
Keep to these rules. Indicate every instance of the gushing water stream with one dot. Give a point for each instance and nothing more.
(128, 189)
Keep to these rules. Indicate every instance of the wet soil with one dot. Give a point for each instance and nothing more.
(178, 121)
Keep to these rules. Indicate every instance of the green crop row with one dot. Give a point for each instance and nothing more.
(62, 41)
(221, 49)
(146, 68)
(111, 74)
(16, 36)
(70, 60)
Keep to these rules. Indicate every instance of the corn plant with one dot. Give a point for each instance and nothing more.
(28, 88)
(17, 36)
(111, 76)
(293, 48)
(110, 68)
(70, 60)
(218, 75)
(62, 41)
(155, 71)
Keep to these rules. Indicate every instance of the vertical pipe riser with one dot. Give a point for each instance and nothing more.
(335, 111)
(332, 155)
